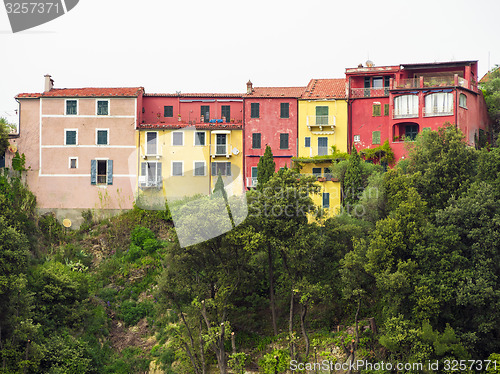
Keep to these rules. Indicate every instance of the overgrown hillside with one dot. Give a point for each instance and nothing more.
(410, 275)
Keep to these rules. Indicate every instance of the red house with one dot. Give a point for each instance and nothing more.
(395, 103)
(271, 118)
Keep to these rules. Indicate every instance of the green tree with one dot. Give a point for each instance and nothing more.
(5, 129)
(265, 168)
(491, 92)
(352, 186)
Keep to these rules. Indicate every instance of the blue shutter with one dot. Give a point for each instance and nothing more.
(110, 172)
(158, 175)
(93, 171)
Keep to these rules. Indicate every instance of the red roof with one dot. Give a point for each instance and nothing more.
(234, 95)
(87, 92)
(325, 89)
(198, 126)
(276, 92)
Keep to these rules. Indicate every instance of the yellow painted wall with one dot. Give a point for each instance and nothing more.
(337, 108)
(188, 184)
(327, 186)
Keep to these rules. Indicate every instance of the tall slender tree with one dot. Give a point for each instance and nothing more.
(265, 168)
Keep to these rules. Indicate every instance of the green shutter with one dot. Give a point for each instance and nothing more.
(109, 177)
(376, 110)
(93, 171)
(376, 137)
(386, 109)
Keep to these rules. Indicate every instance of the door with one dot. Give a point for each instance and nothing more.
(221, 144)
(322, 146)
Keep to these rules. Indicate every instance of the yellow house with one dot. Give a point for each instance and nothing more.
(323, 126)
(182, 160)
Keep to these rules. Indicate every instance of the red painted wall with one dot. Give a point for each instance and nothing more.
(270, 126)
(189, 108)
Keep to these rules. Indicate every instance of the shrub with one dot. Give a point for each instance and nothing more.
(140, 234)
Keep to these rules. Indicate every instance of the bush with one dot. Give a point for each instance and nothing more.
(275, 361)
(140, 234)
(131, 312)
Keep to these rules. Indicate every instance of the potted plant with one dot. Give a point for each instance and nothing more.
(179, 118)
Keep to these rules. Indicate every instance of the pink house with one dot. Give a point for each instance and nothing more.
(80, 147)
(271, 118)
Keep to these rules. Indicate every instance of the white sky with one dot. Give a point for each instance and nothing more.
(216, 46)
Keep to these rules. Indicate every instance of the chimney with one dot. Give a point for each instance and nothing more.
(249, 87)
(49, 83)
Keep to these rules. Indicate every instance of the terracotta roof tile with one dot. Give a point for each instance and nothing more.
(325, 89)
(235, 95)
(87, 92)
(198, 126)
(276, 92)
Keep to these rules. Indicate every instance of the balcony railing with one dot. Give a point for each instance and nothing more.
(435, 112)
(144, 183)
(326, 177)
(407, 83)
(221, 150)
(428, 82)
(369, 92)
(318, 151)
(398, 113)
(251, 182)
(321, 121)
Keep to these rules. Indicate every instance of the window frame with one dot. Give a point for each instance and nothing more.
(224, 108)
(325, 194)
(253, 140)
(327, 146)
(182, 138)
(214, 170)
(196, 137)
(97, 107)
(204, 168)
(376, 110)
(171, 107)
(109, 171)
(156, 145)
(284, 135)
(205, 120)
(172, 168)
(254, 110)
(287, 106)
(376, 134)
(97, 137)
(460, 101)
(156, 184)
(65, 137)
(69, 162)
(66, 107)
(307, 142)
(356, 138)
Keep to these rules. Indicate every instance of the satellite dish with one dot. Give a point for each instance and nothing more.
(66, 222)
(370, 64)
(236, 151)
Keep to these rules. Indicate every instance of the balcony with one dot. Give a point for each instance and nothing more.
(321, 178)
(357, 93)
(251, 182)
(431, 82)
(221, 150)
(398, 113)
(149, 183)
(321, 121)
(436, 112)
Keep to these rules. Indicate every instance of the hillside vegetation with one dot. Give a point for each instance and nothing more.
(407, 273)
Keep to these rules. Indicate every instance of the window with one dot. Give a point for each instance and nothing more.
(386, 109)
(254, 110)
(70, 137)
(151, 143)
(199, 169)
(199, 138)
(222, 168)
(168, 111)
(73, 162)
(226, 112)
(326, 200)
(376, 111)
(177, 168)
(256, 141)
(307, 142)
(411, 132)
(101, 172)
(283, 141)
(322, 146)
(285, 110)
(102, 137)
(321, 115)
(316, 172)
(150, 174)
(205, 113)
(376, 137)
(328, 175)
(2, 160)
(439, 104)
(220, 144)
(357, 138)
(177, 138)
(406, 106)
(254, 172)
(378, 82)
(71, 107)
(102, 107)
(462, 101)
